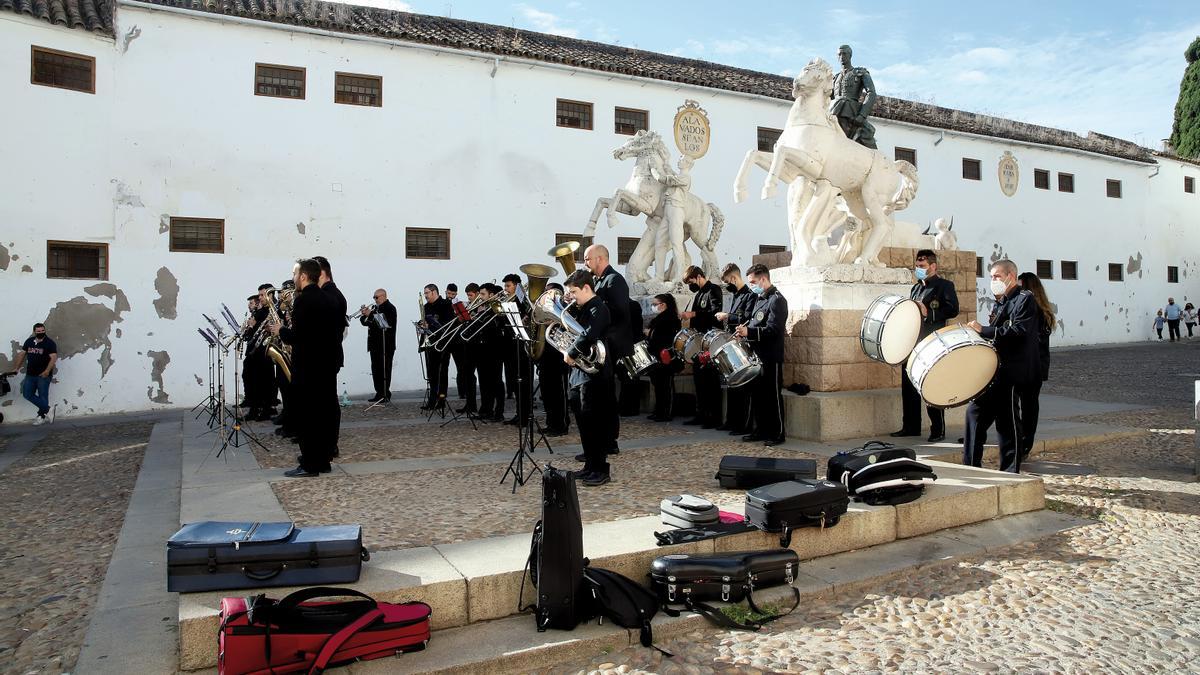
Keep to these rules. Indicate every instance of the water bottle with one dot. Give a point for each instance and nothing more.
(345, 399)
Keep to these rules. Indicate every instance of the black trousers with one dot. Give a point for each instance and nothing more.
(437, 368)
(314, 399)
(1027, 400)
(1190, 326)
(1173, 328)
(509, 357)
(258, 379)
(464, 374)
(630, 402)
(912, 409)
(768, 401)
(737, 408)
(593, 404)
(998, 405)
(663, 380)
(708, 394)
(288, 414)
(491, 386)
(381, 371)
(553, 386)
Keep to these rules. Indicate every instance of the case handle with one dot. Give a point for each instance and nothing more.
(264, 575)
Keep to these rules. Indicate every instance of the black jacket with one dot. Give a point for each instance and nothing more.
(596, 320)
(260, 318)
(339, 318)
(439, 312)
(312, 340)
(741, 306)
(612, 289)
(1044, 346)
(706, 304)
(374, 333)
(663, 328)
(768, 325)
(1015, 332)
(940, 299)
(636, 323)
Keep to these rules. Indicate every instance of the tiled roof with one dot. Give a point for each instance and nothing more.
(503, 41)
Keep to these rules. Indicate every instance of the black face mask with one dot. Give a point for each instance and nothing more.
(694, 287)
(39, 336)
(731, 288)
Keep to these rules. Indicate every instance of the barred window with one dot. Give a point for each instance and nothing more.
(971, 169)
(76, 260)
(1066, 182)
(1189, 184)
(625, 248)
(52, 68)
(584, 242)
(767, 137)
(629, 121)
(427, 243)
(978, 267)
(574, 114)
(1041, 179)
(1069, 269)
(1172, 274)
(1116, 272)
(354, 89)
(1045, 269)
(278, 81)
(1113, 188)
(197, 235)
(907, 154)
(764, 249)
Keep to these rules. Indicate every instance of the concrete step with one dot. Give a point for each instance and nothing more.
(478, 581)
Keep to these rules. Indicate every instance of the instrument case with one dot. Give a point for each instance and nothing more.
(214, 555)
(782, 507)
(688, 511)
(737, 471)
(728, 577)
(870, 452)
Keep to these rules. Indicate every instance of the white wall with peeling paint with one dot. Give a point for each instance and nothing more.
(175, 130)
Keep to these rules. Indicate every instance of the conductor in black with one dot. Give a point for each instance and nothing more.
(938, 300)
(591, 395)
(1015, 332)
(765, 333)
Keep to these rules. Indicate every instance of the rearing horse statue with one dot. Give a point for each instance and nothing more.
(819, 164)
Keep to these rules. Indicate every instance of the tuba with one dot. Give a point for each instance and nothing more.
(538, 275)
(562, 329)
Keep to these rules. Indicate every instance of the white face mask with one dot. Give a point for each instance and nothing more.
(998, 287)
(658, 309)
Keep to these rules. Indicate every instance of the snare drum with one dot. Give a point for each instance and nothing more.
(736, 363)
(890, 329)
(687, 345)
(714, 338)
(951, 366)
(640, 361)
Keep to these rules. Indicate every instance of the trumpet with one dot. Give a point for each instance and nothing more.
(369, 308)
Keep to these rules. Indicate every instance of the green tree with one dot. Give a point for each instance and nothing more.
(1185, 135)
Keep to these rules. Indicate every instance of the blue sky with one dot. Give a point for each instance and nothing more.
(1107, 66)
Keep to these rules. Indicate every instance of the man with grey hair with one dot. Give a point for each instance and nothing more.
(614, 291)
(1014, 332)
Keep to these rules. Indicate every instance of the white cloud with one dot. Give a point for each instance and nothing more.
(730, 46)
(546, 22)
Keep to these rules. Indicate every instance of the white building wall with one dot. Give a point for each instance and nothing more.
(175, 130)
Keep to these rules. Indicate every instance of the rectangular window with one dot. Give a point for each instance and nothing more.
(629, 121)
(278, 81)
(1189, 184)
(971, 169)
(1113, 188)
(197, 235)
(584, 242)
(426, 243)
(907, 154)
(574, 114)
(978, 267)
(1041, 179)
(763, 249)
(1069, 269)
(354, 89)
(1066, 182)
(625, 247)
(767, 137)
(52, 68)
(1172, 274)
(76, 260)
(1045, 269)
(1116, 272)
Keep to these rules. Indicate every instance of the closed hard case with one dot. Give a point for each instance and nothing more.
(738, 471)
(214, 555)
(721, 576)
(870, 453)
(782, 507)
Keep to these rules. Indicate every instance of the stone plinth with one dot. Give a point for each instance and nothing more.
(839, 415)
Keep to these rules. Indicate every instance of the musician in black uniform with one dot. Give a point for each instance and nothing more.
(314, 368)
(1014, 330)
(487, 344)
(741, 306)
(591, 396)
(438, 312)
(464, 356)
(518, 365)
(938, 300)
(614, 291)
(338, 325)
(552, 376)
(765, 332)
(381, 343)
(630, 401)
(706, 303)
(286, 419)
(661, 336)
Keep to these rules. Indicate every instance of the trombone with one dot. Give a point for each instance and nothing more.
(488, 311)
(443, 337)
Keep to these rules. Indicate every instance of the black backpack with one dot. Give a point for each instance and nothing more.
(623, 601)
(555, 563)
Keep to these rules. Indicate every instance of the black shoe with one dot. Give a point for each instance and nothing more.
(904, 432)
(753, 438)
(267, 415)
(596, 479)
(243, 404)
(300, 472)
(515, 421)
(375, 399)
(498, 418)
(581, 457)
(466, 410)
(554, 433)
(614, 451)
(694, 422)
(772, 442)
(960, 439)
(583, 475)
(723, 427)
(326, 470)
(277, 419)
(936, 438)
(708, 425)
(337, 453)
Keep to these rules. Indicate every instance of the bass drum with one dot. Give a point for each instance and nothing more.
(640, 361)
(951, 366)
(736, 363)
(890, 328)
(688, 344)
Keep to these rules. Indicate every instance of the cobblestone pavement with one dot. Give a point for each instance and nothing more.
(1115, 596)
(63, 507)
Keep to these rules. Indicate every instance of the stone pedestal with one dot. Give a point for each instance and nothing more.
(838, 415)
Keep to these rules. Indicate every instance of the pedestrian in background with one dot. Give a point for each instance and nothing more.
(1172, 312)
(1158, 324)
(1189, 317)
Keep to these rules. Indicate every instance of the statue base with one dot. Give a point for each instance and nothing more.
(864, 414)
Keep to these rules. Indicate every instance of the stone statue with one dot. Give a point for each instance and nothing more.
(673, 213)
(838, 190)
(944, 238)
(853, 95)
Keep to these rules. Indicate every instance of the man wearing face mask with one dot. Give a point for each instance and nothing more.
(39, 354)
(1014, 330)
(765, 332)
(741, 307)
(706, 303)
(938, 301)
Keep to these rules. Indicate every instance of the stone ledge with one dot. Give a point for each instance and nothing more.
(841, 415)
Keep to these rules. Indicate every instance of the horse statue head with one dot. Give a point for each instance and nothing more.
(641, 144)
(814, 78)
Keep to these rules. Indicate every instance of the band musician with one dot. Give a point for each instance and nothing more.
(591, 395)
(765, 333)
(706, 304)
(487, 347)
(613, 290)
(938, 300)
(518, 366)
(381, 343)
(552, 377)
(438, 312)
(464, 356)
(741, 305)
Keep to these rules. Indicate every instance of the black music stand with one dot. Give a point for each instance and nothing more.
(381, 321)
(238, 434)
(529, 432)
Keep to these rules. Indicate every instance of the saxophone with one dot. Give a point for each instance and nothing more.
(277, 350)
